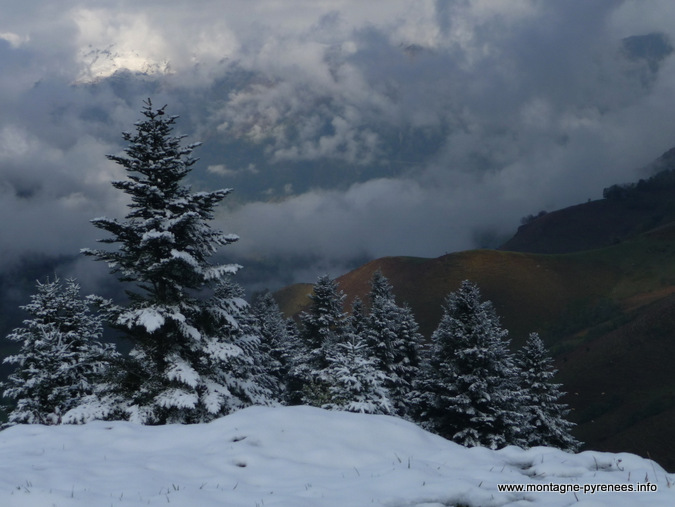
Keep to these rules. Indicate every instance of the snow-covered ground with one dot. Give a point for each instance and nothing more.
(297, 457)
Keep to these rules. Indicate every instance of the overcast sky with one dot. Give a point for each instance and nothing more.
(349, 130)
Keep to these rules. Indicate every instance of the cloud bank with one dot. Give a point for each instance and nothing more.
(349, 131)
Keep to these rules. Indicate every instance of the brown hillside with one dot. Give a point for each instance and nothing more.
(581, 227)
(545, 285)
(622, 385)
(607, 315)
(597, 281)
(626, 211)
(293, 299)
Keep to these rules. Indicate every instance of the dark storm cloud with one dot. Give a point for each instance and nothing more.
(349, 130)
(541, 110)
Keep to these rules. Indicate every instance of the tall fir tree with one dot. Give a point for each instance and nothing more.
(165, 245)
(392, 335)
(380, 328)
(471, 390)
(296, 372)
(324, 325)
(545, 413)
(61, 362)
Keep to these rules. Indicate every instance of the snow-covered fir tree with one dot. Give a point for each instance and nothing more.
(165, 245)
(324, 325)
(235, 351)
(61, 362)
(278, 339)
(380, 327)
(355, 383)
(358, 320)
(296, 372)
(391, 334)
(471, 390)
(545, 413)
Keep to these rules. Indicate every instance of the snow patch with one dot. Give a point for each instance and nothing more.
(301, 457)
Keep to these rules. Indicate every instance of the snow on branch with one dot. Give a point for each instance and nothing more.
(177, 398)
(149, 318)
(181, 371)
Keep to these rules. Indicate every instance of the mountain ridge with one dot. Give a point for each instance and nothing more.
(625, 211)
(601, 295)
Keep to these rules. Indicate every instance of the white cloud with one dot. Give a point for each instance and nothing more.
(374, 219)
(14, 39)
(220, 170)
(110, 41)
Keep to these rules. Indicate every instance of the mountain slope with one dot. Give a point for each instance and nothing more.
(532, 292)
(607, 315)
(597, 281)
(626, 210)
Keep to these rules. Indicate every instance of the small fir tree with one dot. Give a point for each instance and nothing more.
(545, 413)
(324, 325)
(358, 320)
(392, 336)
(235, 350)
(165, 243)
(471, 391)
(296, 370)
(61, 363)
(355, 383)
(277, 338)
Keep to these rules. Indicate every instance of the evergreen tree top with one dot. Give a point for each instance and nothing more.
(465, 313)
(153, 147)
(57, 303)
(380, 288)
(165, 239)
(535, 362)
(327, 299)
(326, 321)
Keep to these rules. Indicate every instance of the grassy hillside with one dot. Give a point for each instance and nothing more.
(626, 211)
(607, 315)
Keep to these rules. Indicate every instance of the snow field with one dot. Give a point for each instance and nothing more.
(297, 457)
